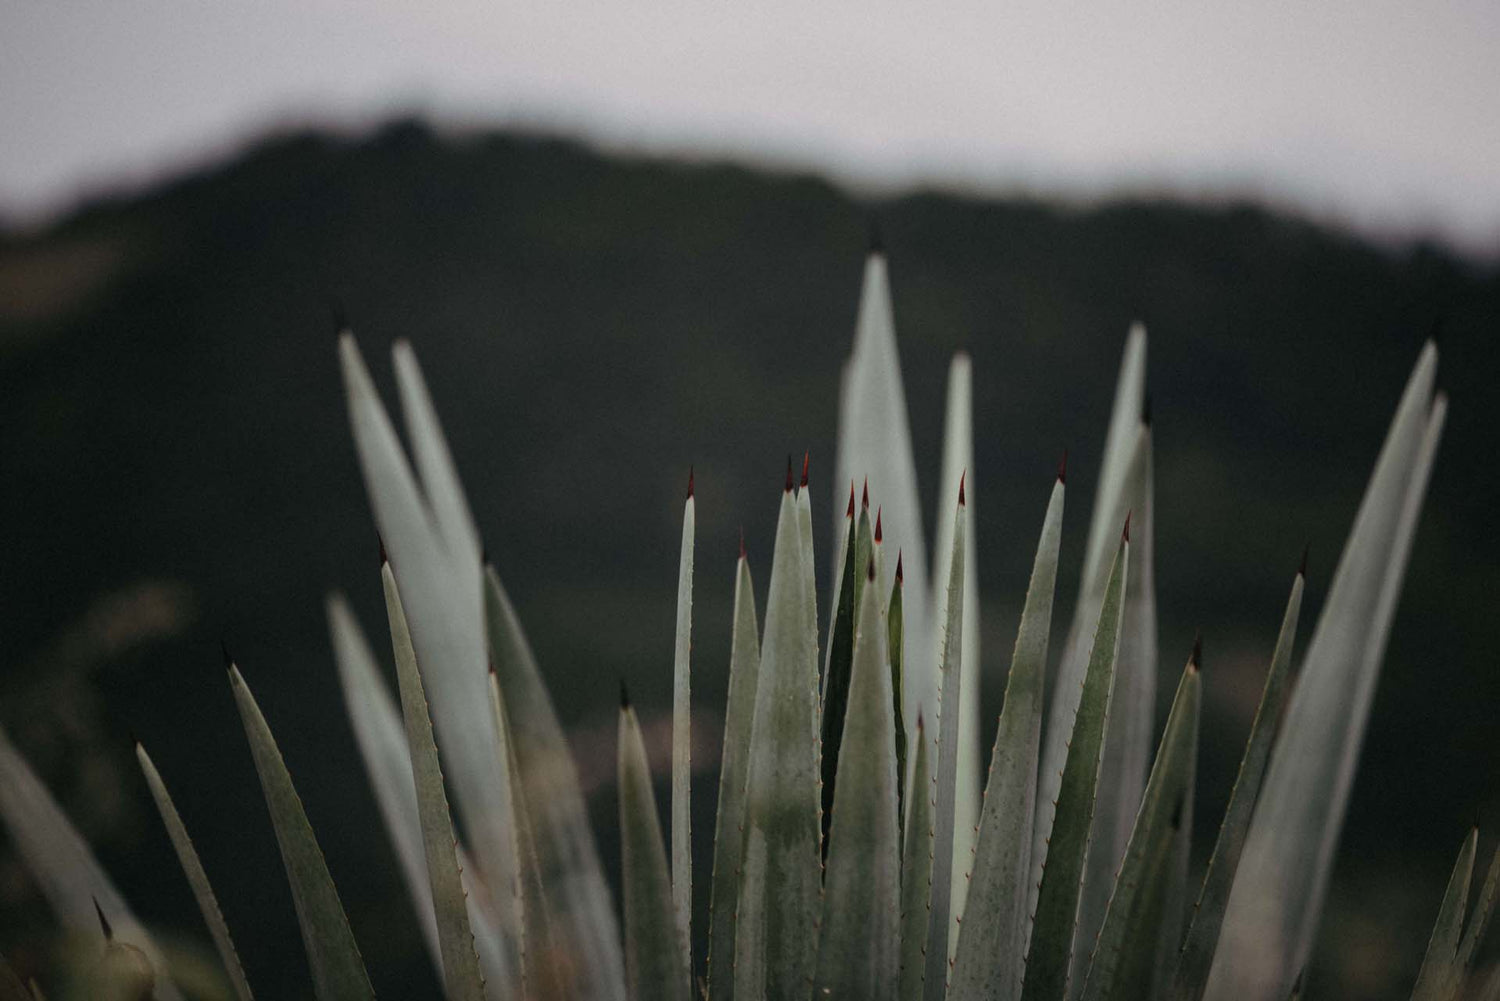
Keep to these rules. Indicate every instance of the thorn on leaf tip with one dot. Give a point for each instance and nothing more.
(1062, 468)
(384, 558)
(1196, 660)
(1302, 567)
(624, 695)
(806, 457)
(109, 933)
(864, 498)
(961, 480)
(690, 483)
(789, 472)
(879, 536)
(900, 577)
(850, 513)
(1126, 533)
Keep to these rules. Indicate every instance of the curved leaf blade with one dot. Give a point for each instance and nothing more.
(1441, 975)
(916, 868)
(682, 736)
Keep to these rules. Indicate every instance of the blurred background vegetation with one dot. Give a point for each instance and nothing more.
(178, 470)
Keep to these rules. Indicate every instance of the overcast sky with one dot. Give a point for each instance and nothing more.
(1379, 113)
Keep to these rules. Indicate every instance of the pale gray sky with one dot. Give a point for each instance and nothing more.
(1383, 114)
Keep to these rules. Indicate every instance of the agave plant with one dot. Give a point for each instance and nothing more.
(855, 853)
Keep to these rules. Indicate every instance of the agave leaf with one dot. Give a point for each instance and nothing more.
(916, 869)
(776, 932)
(991, 942)
(958, 463)
(434, 554)
(809, 564)
(11, 987)
(1479, 921)
(840, 648)
(1441, 976)
(840, 667)
(338, 972)
(1065, 855)
(682, 736)
(1202, 937)
(1278, 891)
(582, 926)
(64, 867)
(940, 916)
(192, 867)
(655, 964)
(1175, 896)
(874, 445)
(1124, 956)
(380, 735)
(1112, 501)
(462, 980)
(858, 944)
(744, 666)
(895, 637)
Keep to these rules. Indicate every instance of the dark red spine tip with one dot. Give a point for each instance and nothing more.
(806, 457)
(789, 472)
(878, 534)
(1062, 468)
(850, 513)
(870, 569)
(1302, 567)
(742, 542)
(1126, 534)
(624, 695)
(1196, 660)
(109, 933)
(864, 498)
(384, 559)
(961, 479)
(900, 577)
(690, 483)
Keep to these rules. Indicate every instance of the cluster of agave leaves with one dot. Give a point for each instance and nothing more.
(855, 854)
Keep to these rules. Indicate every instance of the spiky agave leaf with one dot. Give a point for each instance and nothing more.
(840, 646)
(338, 972)
(992, 939)
(809, 561)
(1479, 921)
(1440, 977)
(916, 868)
(1198, 945)
(655, 964)
(462, 980)
(583, 945)
(744, 668)
(958, 463)
(1114, 497)
(434, 553)
(64, 867)
(874, 446)
(841, 660)
(380, 735)
(776, 931)
(895, 641)
(858, 943)
(935, 981)
(682, 734)
(1278, 891)
(192, 867)
(1054, 923)
(1124, 955)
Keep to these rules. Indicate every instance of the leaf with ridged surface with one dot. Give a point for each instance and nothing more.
(1124, 955)
(940, 916)
(989, 963)
(958, 464)
(744, 667)
(1111, 504)
(434, 553)
(462, 980)
(1054, 923)
(1202, 936)
(858, 943)
(64, 867)
(585, 942)
(874, 447)
(338, 972)
(682, 735)
(380, 736)
(916, 868)
(655, 966)
(1278, 890)
(776, 932)
(192, 867)
(1441, 977)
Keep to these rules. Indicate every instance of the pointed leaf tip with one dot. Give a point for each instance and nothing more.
(624, 695)
(806, 457)
(109, 933)
(224, 650)
(1146, 410)
(850, 513)
(1126, 533)
(339, 314)
(879, 535)
(1302, 567)
(789, 472)
(870, 569)
(900, 577)
(384, 558)
(877, 239)
(864, 498)
(1196, 660)
(1062, 468)
(742, 542)
(961, 479)
(690, 483)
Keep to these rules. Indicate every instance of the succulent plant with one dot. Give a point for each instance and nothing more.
(855, 853)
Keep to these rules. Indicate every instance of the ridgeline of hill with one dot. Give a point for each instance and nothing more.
(178, 469)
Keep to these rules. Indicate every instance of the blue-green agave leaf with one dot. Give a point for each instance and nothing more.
(916, 867)
(682, 735)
